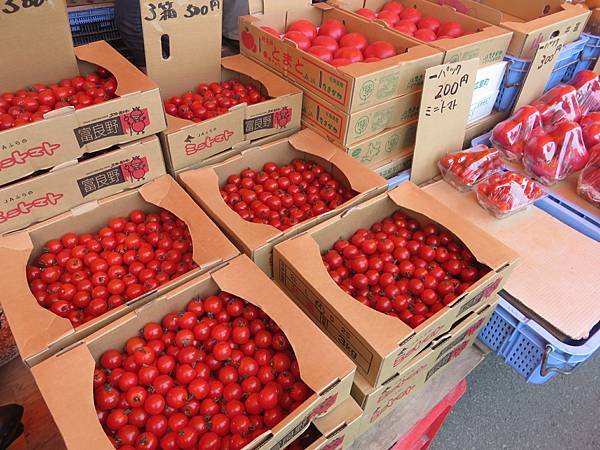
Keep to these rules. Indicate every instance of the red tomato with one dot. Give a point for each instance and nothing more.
(430, 23)
(380, 50)
(354, 39)
(325, 41)
(451, 29)
(389, 17)
(350, 53)
(425, 34)
(305, 27)
(332, 28)
(411, 14)
(322, 53)
(366, 12)
(301, 40)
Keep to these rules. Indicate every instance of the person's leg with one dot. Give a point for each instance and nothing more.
(129, 24)
(10, 424)
(232, 10)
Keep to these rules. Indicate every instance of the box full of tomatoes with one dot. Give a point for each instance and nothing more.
(531, 22)
(387, 277)
(226, 360)
(347, 61)
(76, 182)
(212, 104)
(58, 102)
(457, 35)
(335, 430)
(270, 193)
(378, 402)
(75, 272)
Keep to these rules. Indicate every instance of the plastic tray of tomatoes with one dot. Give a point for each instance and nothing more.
(587, 84)
(588, 183)
(506, 193)
(466, 168)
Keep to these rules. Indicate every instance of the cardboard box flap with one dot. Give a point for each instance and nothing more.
(273, 6)
(310, 142)
(366, 320)
(182, 44)
(339, 417)
(41, 42)
(478, 10)
(204, 180)
(242, 278)
(275, 86)
(70, 399)
(408, 195)
(557, 282)
(568, 12)
(527, 10)
(208, 248)
(129, 79)
(14, 255)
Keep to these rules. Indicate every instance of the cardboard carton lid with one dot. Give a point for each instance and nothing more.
(40, 48)
(528, 10)
(182, 48)
(558, 275)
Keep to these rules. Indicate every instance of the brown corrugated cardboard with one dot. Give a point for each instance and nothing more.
(39, 332)
(381, 345)
(487, 42)
(482, 126)
(557, 282)
(66, 134)
(351, 88)
(186, 142)
(76, 182)
(257, 240)
(378, 402)
(567, 189)
(348, 129)
(531, 21)
(390, 167)
(323, 367)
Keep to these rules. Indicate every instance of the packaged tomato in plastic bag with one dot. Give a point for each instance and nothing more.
(553, 155)
(558, 104)
(588, 184)
(505, 193)
(587, 84)
(510, 135)
(466, 168)
(590, 126)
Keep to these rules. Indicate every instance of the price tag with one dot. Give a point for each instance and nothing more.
(445, 104)
(539, 71)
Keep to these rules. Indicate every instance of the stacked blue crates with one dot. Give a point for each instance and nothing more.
(93, 25)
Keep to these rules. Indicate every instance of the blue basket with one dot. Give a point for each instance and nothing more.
(400, 178)
(529, 348)
(93, 25)
(588, 57)
(516, 71)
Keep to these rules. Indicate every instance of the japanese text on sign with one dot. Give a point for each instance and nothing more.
(167, 10)
(13, 6)
(551, 49)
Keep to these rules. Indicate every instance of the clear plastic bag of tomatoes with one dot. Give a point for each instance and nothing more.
(510, 135)
(590, 126)
(505, 193)
(588, 184)
(552, 155)
(587, 85)
(559, 104)
(466, 168)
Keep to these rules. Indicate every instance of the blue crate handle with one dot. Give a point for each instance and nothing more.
(545, 369)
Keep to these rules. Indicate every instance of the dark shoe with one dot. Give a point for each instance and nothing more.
(10, 424)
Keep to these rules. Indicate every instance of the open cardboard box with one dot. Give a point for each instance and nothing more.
(390, 167)
(257, 240)
(38, 331)
(350, 88)
(388, 144)
(378, 402)
(532, 22)
(482, 126)
(379, 344)
(178, 65)
(65, 380)
(336, 430)
(76, 182)
(67, 133)
(487, 42)
(347, 129)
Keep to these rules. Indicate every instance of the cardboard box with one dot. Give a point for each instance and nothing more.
(257, 240)
(487, 42)
(379, 344)
(393, 165)
(76, 182)
(186, 143)
(323, 367)
(351, 88)
(39, 332)
(67, 133)
(482, 126)
(532, 22)
(347, 129)
(482, 106)
(377, 403)
(335, 430)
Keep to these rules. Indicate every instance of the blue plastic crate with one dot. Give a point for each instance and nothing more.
(588, 57)
(483, 139)
(530, 349)
(400, 178)
(517, 69)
